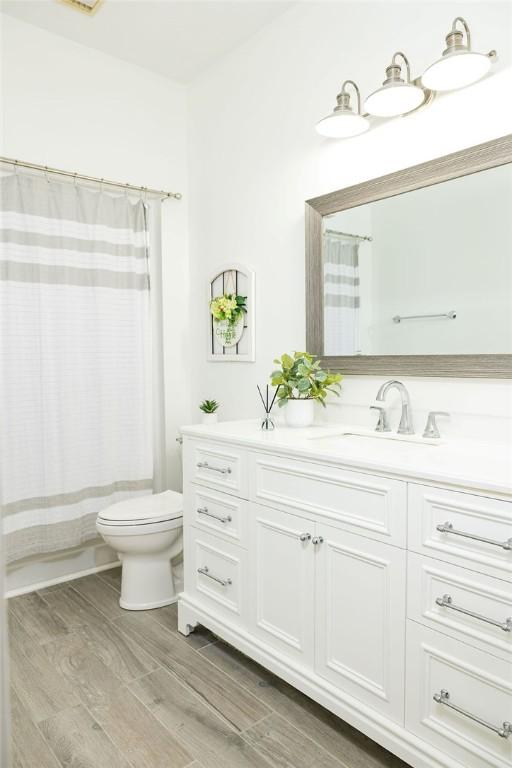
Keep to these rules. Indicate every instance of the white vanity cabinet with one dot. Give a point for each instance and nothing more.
(349, 584)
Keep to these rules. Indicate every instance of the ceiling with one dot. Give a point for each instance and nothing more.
(178, 39)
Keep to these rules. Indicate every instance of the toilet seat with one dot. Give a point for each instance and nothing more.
(137, 529)
(162, 511)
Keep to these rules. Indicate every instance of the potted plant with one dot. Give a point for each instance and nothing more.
(209, 409)
(301, 381)
(228, 313)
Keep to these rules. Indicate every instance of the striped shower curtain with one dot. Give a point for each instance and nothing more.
(341, 295)
(75, 357)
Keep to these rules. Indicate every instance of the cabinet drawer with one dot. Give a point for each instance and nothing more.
(215, 466)
(471, 531)
(215, 573)
(217, 513)
(467, 605)
(478, 684)
(374, 506)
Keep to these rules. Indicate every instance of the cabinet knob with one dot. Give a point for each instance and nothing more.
(305, 537)
(317, 540)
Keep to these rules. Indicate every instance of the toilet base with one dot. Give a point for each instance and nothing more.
(146, 606)
(147, 582)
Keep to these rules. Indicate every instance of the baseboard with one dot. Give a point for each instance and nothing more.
(41, 572)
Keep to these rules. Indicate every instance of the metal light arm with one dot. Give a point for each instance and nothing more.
(345, 97)
(406, 62)
(466, 29)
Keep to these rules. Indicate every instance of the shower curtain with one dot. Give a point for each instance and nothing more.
(4, 671)
(75, 350)
(341, 296)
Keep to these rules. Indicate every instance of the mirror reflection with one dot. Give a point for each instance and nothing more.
(428, 272)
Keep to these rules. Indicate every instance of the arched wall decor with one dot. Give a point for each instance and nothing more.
(238, 280)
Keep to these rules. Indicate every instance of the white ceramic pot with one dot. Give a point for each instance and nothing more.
(300, 413)
(209, 418)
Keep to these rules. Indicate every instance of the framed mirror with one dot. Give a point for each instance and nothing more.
(411, 273)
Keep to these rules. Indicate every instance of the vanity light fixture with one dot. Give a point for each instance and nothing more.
(344, 122)
(396, 96)
(459, 65)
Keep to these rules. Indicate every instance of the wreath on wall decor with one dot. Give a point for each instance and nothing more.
(228, 313)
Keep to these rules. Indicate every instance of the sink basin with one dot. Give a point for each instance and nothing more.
(365, 438)
(381, 446)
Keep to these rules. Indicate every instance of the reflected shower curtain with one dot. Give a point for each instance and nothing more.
(341, 296)
(75, 353)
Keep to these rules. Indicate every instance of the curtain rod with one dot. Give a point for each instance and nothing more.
(47, 169)
(347, 234)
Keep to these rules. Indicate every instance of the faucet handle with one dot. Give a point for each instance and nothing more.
(382, 423)
(431, 428)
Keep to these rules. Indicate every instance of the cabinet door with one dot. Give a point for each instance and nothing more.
(282, 581)
(360, 618)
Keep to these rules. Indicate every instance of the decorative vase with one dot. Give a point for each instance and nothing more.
(209, 418)
(229, 333)
(300, 413)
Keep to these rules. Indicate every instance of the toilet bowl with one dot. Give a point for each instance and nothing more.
(146, 533)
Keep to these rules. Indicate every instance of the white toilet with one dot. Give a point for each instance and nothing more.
(146, 533)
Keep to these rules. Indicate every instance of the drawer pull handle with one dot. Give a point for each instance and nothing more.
(446, 602)
(504, 730)
(222, 470)
(205, 571)
(448, 528)
(204, 511)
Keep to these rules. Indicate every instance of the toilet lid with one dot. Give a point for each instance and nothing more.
(145, 509)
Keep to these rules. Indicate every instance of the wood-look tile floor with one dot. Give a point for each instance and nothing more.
(94, 686)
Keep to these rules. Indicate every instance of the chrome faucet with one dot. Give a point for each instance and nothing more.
(405, 427)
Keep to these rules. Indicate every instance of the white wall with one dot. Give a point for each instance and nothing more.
(72, 107)
(255, 158)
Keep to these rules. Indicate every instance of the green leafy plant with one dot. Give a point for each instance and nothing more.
(209, 406)
(228, 307)
(300, 377)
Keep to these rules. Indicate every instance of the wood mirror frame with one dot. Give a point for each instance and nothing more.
(467, 161)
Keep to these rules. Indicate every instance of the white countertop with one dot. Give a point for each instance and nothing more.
(484, 467)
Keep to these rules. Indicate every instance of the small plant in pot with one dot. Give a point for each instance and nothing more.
(209, 409)
(301, 381)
